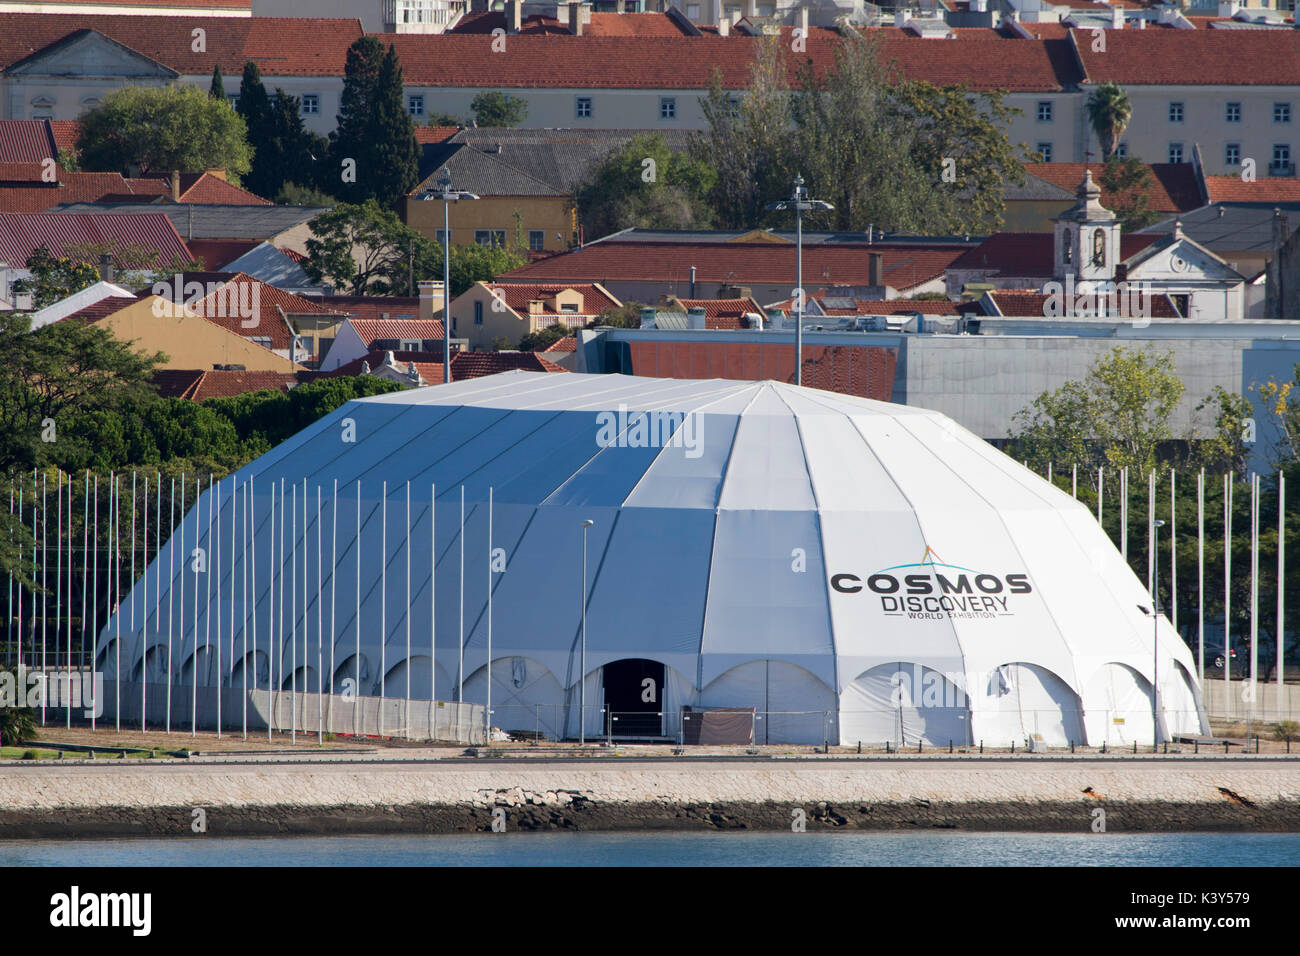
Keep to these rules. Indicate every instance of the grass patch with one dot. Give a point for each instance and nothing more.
(27, 753)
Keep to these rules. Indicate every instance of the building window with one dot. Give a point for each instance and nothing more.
(668, 107)
(410, 345)
(1281, 112)
(1044, 152)
(233, 100)
(1232, 113)
(415, 105)
(1232, 154)
(1175, 112)
(478, 313)
(1281, 165)
(496, 238)
(1122, 150)
(582, 107)
(536, 239)
(440, 237)
(310, 103)
(1175, 152)
(1044, 111)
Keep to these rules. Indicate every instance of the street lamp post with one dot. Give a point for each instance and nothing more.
(448, 196)
(1155, 637)
(582, 667)
(799, 202)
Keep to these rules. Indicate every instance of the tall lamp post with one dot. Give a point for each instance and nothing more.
(1155, 637)
(799, 202)
(582, 672)
(448, 196)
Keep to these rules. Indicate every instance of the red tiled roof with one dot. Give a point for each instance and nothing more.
(567, 344)
(517, 295)
(223, 383)
(208, 189)
(66, 133)
(26, 141)
(434, 134)
(21, 234)
(905, 265)
(1200, 57)
(102, 309)
(1021, 304)
(71, 187)
(223, 305)
(280, 46)
(724, 313)
(371, 329)
(21, 172)
(372, 306)
(293, 254)
(981, 59)
(1172, 187)
(176, 382)
(219, 253)
(1031, 254)
(600, 25)
(1264, 189)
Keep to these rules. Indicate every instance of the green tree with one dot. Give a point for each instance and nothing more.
(384, 244)
(646, 185)
(1226, 450)
(51, 379)
(54, 278)
(218, 88)
(475, 263)
(374, 149)
(163, 130)
(748, 140)
(625, 316)
(1128, 179)
(1118, 416)
(494, 108)
(1109, 113)
(543, 338)
(1284, 410)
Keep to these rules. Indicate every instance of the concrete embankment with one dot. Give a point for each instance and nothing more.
(443, 796)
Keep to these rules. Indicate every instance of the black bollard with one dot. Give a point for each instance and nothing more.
(950, 746)
(1225, 748)
(1071, 746)
(1196, 746)
(981, 746)
(887, 750)
(919, 743)
(1135, 747)
(1013, 746)
(859, 746)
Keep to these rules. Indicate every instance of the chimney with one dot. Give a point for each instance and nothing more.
(979, 6)
(576, 19)
(648, 315)
(692, 295)
(106, 267)
(1142, 23)
(514, 15)
(803, 21)
(695, 319)
(724, 27)
(1117, 18)
(430, 298)
(176, 185)
(901, 17)
(875, 269)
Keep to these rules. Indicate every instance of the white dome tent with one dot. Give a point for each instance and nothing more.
(853, 570)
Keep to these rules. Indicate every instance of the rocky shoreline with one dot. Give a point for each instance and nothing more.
(230, 800)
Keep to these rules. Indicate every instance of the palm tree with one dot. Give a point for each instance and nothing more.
(1109, 112)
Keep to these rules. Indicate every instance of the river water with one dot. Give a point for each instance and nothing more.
(928, 848)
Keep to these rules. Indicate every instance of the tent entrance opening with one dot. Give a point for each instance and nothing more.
(634, 695)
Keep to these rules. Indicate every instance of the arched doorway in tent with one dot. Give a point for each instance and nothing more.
(1022, 699)
(901, 702)
(1118, 706)
(634, 690)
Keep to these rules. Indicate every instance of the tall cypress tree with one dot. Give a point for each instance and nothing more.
(374, 128)
(255, 107)
(218, 89)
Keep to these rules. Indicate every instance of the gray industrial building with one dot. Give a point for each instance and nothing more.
(980, 372)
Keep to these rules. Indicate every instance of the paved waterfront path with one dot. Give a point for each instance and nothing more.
(282, 795)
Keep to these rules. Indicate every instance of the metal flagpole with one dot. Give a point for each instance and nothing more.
(9, 603)
(383, 602)
(1227, 593)
(18, 661)
(1123, 512)
(1200, 575)
(131, 612)
(230, 656)
(279, 564)
(1281, 578)
(58, 582)
(356, 660)
(320, 633)
(293, 613)
(194, 653)
(334, 569)
(250, 502)
(20, 593)
(1101, 487)
(433, 607)
(460, 641)
(1151, 531)
(117, 605)
(216, 568)
(1074, 481)
(1254, 592)
(157, 558)
(243, 669)
(408, 610)
(212, 573)
(45, 594)
(487, 714)
(306, 655)
(270, 617)
(85, 568)
(1173, 554)
(144, 612)
(94, 600)
(174, 547)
